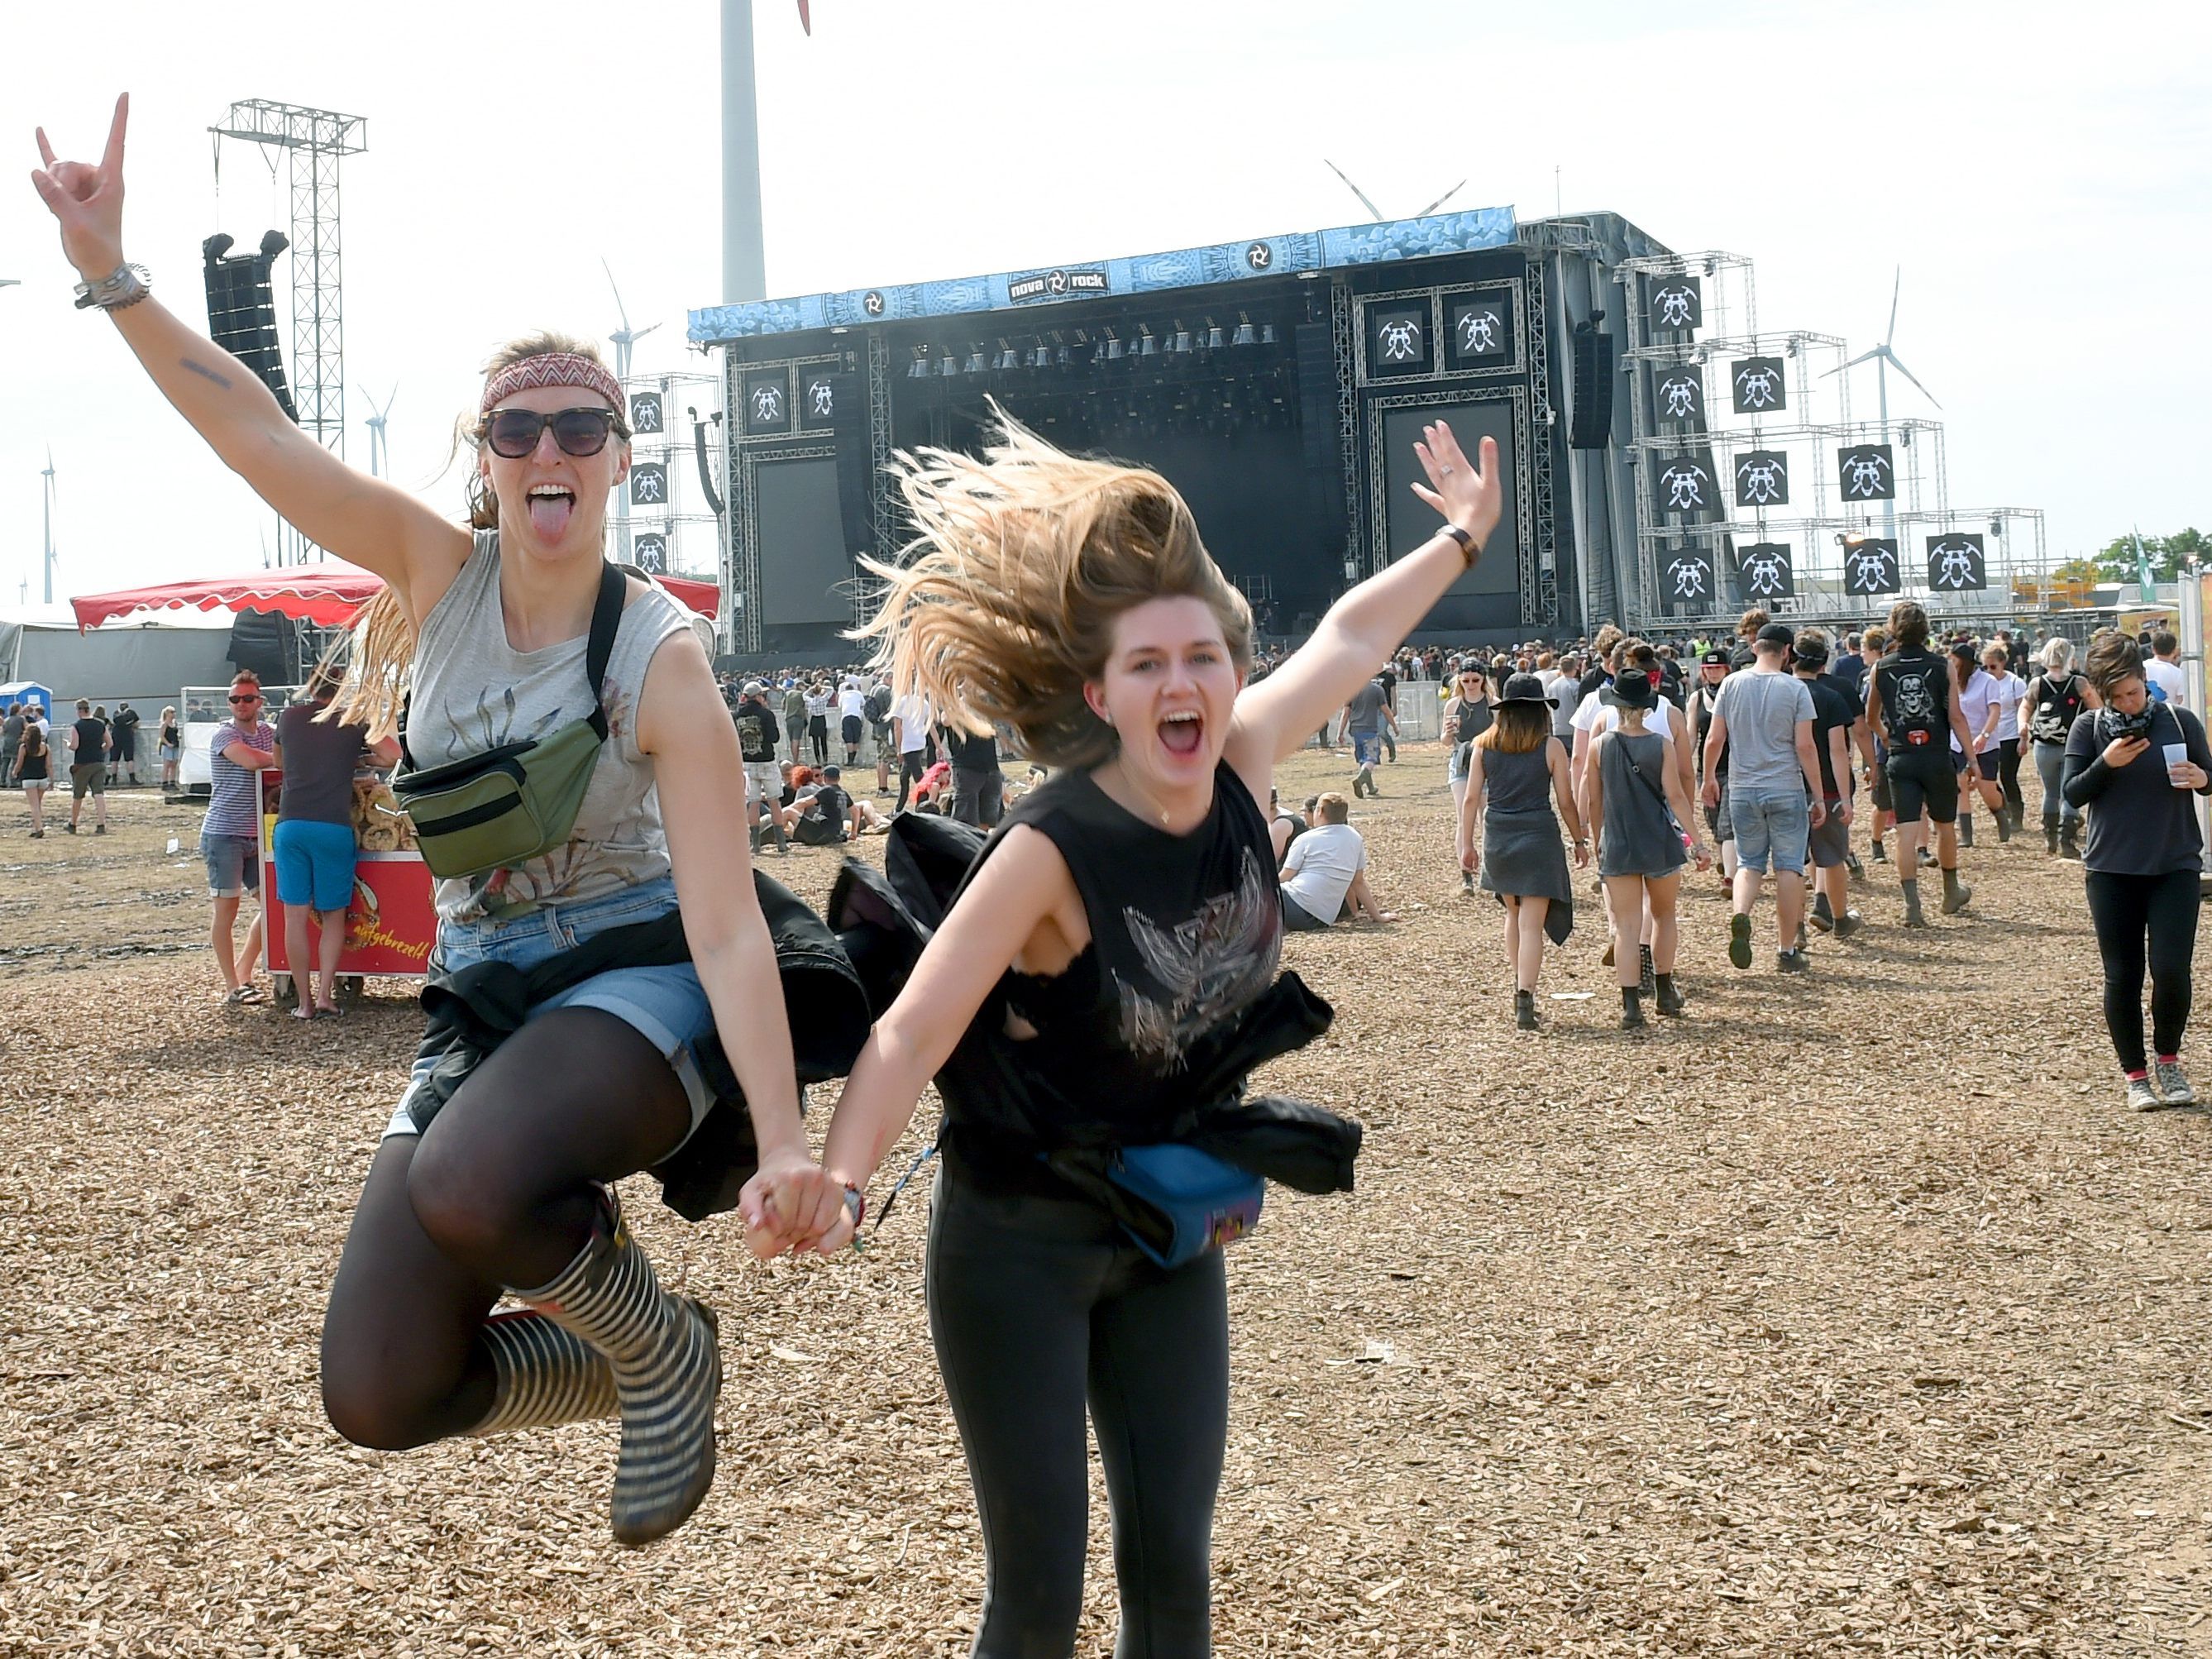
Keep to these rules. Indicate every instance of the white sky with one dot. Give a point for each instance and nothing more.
(2043, 174)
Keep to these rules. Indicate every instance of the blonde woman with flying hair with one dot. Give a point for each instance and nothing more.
(502, 1182)
(1099, 986)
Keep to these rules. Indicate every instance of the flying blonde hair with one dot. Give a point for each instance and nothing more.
(1002, 607)
(383, 638)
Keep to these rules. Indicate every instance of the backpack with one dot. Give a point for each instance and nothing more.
(2053, 720)
(877, 708)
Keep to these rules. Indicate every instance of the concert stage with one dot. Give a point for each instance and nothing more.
(1278, 382)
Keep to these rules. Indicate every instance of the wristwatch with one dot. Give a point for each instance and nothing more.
(1469, 548)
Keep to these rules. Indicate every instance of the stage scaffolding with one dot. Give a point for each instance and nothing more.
(1812, 425)
(677, 508)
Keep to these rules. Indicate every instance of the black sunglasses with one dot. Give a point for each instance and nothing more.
(513, 433)
(246, 699)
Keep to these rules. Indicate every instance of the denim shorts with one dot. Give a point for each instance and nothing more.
(314, 864)
(234, 863)
(1771, 825)
(667, 1005)
(1456, 769)
(1366, 748)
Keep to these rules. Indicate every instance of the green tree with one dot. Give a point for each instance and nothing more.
(2168, 554)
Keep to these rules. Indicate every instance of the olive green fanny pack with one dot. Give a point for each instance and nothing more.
(507, 806)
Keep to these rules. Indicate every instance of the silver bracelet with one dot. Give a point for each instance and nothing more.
(126, 285)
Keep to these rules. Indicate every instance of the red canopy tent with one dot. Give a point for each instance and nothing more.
(328, 594)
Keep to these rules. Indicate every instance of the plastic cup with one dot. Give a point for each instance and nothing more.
(2177, 754)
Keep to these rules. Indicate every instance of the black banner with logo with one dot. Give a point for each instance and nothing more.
(1759, 388)
(1764, 571)
(1870, 568)
(1956, 563)
(1867, 472)
(1762, 479)
(1679, 395)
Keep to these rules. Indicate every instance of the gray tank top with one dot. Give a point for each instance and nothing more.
(471, 691)
(1518, 783)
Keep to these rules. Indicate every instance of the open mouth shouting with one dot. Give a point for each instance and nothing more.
(1183, 732)
(551, 506)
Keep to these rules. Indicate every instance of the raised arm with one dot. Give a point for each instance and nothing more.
(1363, 626)
(1024, 882)
(380, 528)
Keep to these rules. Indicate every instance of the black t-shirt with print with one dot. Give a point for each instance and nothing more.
(757, 731)
(1832, 709)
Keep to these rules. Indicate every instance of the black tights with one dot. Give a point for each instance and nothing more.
(1037, 1305)
(498, 1193)
(2128, 911)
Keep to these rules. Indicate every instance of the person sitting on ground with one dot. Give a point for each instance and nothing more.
(1324, 875)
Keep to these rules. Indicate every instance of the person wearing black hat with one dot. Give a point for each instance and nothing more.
(1515, 769)
(1764, 716)
(1467, 716)
(1633, 788)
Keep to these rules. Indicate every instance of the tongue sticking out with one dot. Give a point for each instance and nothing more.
(549, 515)
(1181, 737)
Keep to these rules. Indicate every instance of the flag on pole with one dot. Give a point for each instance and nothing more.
(2146, 579)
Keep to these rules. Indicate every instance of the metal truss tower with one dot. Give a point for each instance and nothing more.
(318, 139)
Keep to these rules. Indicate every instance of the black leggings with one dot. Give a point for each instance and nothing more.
(497, 1192)
(2128, 910)
(2008, 776)
(1037, 1305)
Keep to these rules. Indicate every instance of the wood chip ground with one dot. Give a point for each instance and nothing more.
(1848, 1314)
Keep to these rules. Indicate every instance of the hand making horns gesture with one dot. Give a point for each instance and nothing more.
(88, 200)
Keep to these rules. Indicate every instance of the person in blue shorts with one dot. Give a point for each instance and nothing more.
(314, 841)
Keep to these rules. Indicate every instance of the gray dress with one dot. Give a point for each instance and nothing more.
(1522, 853)
(1640, 836)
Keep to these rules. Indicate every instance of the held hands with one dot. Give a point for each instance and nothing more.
(1582, 853)
(790, 1204)
(1467, 496)
(2121, 751)
(88, 200)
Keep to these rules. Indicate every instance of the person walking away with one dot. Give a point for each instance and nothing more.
(1365, 714)
(852, 718)
(34, 771)
(2056, 699)
(89, 745)
(123, 759)
(314, 843)
(877, 709)
(1467, 716)
(755, 724)
(1764, 716)
(1516, 770)
(979, 787)
(1873, 644)
(230, 838)
(1387, 678)
(1978, 767)
(2007, 692)
(1912, 699)
(1634, 787)
(1835, 714)
(2162, 670)
(1712, 670)
(910, 722)
(2133, 765)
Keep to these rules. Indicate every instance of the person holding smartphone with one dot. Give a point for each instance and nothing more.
(2132, 766)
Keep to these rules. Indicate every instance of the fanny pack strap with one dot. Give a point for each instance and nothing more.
(598, 650)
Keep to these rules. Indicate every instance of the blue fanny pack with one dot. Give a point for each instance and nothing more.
(1189, 1202)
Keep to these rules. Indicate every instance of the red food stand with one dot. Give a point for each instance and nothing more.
(390, 923)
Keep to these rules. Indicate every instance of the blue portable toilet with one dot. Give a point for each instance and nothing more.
(29, 691)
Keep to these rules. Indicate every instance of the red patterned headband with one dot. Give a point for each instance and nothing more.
(552, 368)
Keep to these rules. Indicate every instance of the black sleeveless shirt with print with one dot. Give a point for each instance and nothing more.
(1186, 932)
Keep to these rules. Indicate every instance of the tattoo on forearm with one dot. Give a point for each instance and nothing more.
(206, 374)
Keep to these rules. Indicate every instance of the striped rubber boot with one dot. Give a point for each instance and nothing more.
(666, 1368)
(542, 1375)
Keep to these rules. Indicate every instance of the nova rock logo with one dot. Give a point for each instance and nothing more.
(1681, 397)
(1867, 473)
(1762, 479)
(1684, 483)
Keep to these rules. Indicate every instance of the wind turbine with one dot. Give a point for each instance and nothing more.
(379, 455)
(47, 503)
(1381, 217)
(1884, 360)
(624, 338)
